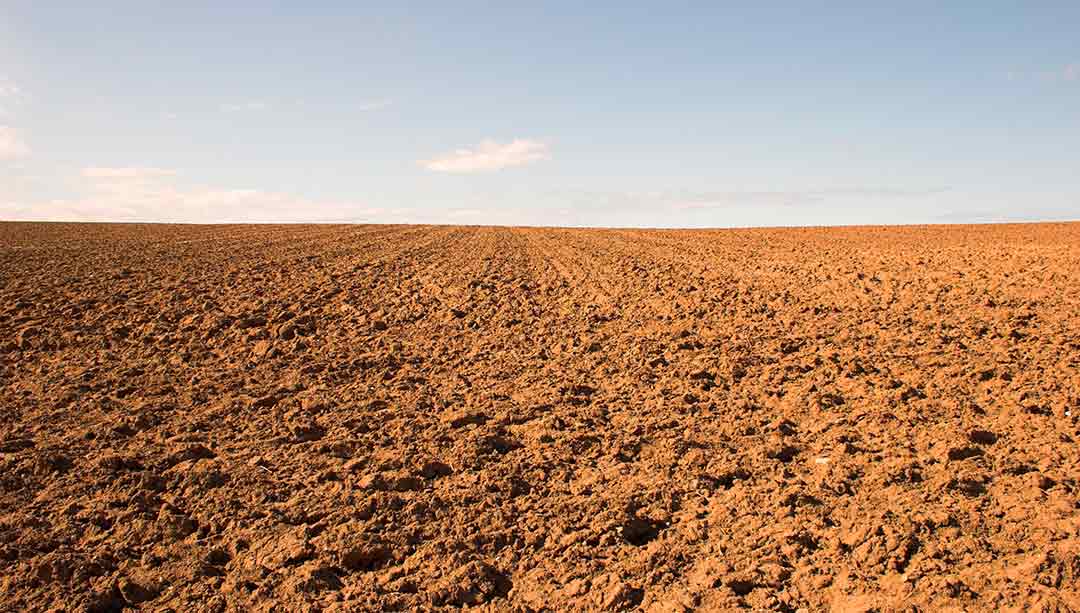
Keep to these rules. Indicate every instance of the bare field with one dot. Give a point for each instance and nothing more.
(367, 418)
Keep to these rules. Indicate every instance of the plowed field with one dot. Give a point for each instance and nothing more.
(368, 418)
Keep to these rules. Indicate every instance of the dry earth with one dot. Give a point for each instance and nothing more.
(363, 418)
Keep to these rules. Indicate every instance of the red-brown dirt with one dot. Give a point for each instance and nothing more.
(366, 418)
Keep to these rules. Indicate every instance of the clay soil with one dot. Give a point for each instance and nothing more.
(368, 418)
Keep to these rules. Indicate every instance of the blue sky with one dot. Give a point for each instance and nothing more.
(599, 114)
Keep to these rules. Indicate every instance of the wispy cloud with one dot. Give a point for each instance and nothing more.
(143, 193)
(489, 156)
(12, 146)
(253, 106)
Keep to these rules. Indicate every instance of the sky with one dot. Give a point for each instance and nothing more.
(660, 114)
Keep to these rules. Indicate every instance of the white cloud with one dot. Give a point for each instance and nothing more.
(152, 194)
(490, 155)
(245, 107)
(12, 146)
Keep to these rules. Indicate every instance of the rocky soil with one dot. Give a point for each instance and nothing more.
(379, 418)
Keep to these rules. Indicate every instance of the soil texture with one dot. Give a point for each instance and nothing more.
(424, 418)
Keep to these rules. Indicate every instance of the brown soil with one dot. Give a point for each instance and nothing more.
(362, 418)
